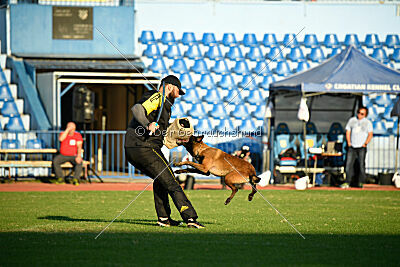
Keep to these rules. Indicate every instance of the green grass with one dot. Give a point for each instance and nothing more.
(341, 228)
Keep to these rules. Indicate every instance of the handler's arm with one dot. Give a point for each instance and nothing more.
(348, 134)
(370, 134)
(139, 113)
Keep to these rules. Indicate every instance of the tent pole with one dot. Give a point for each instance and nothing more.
(397, 144)
(269, 144)
(305, 149)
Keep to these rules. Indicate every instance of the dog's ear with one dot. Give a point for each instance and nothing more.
(199, 138)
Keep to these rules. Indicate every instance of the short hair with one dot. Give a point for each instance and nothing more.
(366, 110)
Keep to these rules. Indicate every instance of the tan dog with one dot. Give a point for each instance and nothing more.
(217, 162)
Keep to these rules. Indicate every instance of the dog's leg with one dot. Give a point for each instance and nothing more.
(198, 166)
(253, 191)
(234, 190)
(191, 170)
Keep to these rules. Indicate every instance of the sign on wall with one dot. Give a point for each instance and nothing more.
(73, 23)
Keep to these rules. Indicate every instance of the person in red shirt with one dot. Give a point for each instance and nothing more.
(70, 151)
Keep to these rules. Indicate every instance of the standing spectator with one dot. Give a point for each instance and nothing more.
(70, 151)
(358, 135)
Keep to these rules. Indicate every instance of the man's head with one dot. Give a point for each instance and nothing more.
(362, 113)
(172, 86)
(71, 127)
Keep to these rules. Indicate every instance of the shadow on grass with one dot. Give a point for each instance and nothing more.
(196, 247)
(129, 221)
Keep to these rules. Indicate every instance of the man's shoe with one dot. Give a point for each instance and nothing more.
(75, 181)
(192, 223)
(167, 222)
(60, 181)
(344, 186)
(360, 185)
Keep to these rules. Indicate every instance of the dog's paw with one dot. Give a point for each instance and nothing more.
(178, 164)
(227, 201)
(250, 197)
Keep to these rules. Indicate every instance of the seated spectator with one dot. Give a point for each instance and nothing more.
(70, 151)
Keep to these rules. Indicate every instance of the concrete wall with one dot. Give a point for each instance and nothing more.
(263, 17)
(31, 33)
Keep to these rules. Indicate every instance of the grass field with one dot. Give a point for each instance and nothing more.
(341, 228)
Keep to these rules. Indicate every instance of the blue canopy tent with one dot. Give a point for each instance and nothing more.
(334, 89)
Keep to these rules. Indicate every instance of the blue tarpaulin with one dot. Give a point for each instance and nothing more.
(351, 71)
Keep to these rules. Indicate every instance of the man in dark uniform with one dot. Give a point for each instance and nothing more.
(143, 142)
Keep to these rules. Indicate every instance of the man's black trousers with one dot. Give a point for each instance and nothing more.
(152, 162)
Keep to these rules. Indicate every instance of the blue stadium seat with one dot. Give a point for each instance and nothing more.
(147, 37)
(240, 112)
(172, 52)
(283, 142)
(267, 80)
(203, 126)
(35, 144)
(392, 41)
(229, 39)
(259, 113)
(193, 52)
(296, 54)
(331, 40)
(220, 67)
(395, 56)
(233, 97)
(152, 51)
(249, 40)
(179, 66)
(383, 100)
(197, 111)
(208, 39)
(199, 67)
(310, 40)
(248, 82)
(269, 40)
(10, 144)
(379, 127)
(227, 82)
(167, 38)
(275, 54)
(335, 130)
(311, 128)
(188, 38)
(192, 96)
(241, 68)
(15, 124)
(225, 125)
(234, 53)
(390, 65)
(255, 98)
(386, 114)
(373, 114)
(312, 140)
(372, 40)
(282, 128)
(255, 54)
(290, 40)
(316, 55)
(5, 93)
(335, 51)
(213, 53)
(247, 127)
(218, 111)
(367, 101)
(262, 69)
(380, 55)
(158, 66)
(212, 96)
(177, 111)
(351, 39)
(283, 69)
(9, 109)
(302, 66)
(186, 80)
(206, 82)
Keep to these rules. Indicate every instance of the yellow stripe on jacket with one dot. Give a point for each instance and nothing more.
(152, 103)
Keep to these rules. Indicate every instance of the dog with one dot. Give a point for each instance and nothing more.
(215, 161)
